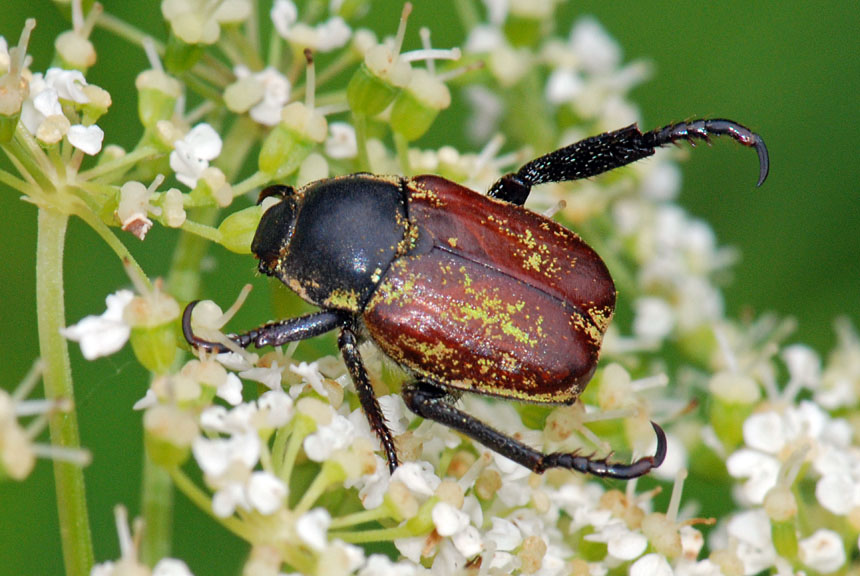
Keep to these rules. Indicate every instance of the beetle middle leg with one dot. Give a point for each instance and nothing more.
(348, 344)
(430, 401)
(611, 150)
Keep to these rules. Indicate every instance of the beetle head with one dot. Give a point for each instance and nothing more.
(275, 228)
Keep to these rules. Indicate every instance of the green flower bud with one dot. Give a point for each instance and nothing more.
(8, 124)
(212, 187)
(290, 142)
(157, 96)
(525, 24)
(153, 335)
(238, 229)
(155, 348)
(416, 108)
(74, 52)
(168, 434)
(179, 56)
(733, 397)
(377, 81)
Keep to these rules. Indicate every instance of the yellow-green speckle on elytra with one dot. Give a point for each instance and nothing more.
(600, 317)
(492, 312)
(594, 333)
(376, 276)
(452, 242)
(436, 351)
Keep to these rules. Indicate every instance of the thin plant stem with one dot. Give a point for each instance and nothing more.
(71, 494)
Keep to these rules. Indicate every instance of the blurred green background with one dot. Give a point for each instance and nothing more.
(789, 71)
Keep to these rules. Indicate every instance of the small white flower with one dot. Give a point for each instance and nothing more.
(312, 528)
(171, 567)
(270, 376)
(448, 520)
(654, 320)
(754, 547)
(192, 154)
(341, 142)
(230, 390)
(87, 139)
(327, 439)
(651, 565)
(597, 51)
(823, 552)
(504, 534)
(325, 37)
(419, 477)
(103, 335)
(69, 84)
(217, 456)
(134, 207)
(284, 14)
(621, 543)
(310, 374)
(277, 407)
(266, 492)
(381, 565)
(199, 21)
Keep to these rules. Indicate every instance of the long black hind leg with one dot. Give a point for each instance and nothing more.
(431, 402)
(611, 150)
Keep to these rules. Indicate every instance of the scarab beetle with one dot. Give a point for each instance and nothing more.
(469, 293)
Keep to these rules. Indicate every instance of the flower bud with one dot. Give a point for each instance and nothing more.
(179, 56)
(377, 81)
(290, 142)
(212, 186)
(157, 96)
(168, 434)
(153, 337)
(416, 108)
(733, 397)
(74, 51)
(238, 229)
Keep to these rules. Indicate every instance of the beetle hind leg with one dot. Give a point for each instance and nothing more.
(611, 150)
(431, 402)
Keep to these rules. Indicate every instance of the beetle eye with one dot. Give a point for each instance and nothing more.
(278, 191)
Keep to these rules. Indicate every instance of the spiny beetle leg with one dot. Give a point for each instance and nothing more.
(431, 402)
(273, 334)
(348, 344)
(611, 150)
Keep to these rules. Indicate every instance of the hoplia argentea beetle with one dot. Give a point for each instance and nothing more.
(467, 292)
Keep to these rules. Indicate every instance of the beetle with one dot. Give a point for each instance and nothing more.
(470, 293)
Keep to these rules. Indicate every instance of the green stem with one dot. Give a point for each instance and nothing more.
(71, 494)
(157, 512)
(360, 517)
(402, 147)
(204, 502)
(367, 536)
(117, 167)
(13, 182)
(360, 123)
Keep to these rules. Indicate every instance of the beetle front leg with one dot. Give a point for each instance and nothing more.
(348, 344)
(272, 334)
(611, 150)
(430, 402)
